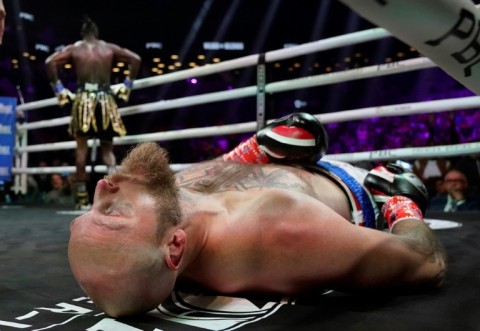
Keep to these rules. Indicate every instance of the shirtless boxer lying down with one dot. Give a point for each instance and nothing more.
(236, 227)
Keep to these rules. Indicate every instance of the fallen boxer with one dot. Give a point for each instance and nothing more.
(236, 227)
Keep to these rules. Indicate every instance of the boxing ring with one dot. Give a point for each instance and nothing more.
(38, 291)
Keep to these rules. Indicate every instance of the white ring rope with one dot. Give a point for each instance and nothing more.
(410, 153)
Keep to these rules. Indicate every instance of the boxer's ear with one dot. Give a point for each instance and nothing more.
(176, 248)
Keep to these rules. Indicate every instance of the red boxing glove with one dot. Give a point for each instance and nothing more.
(296, 138)
(399, 208)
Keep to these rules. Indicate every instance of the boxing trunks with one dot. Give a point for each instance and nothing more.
(95, 113)
(350, 179)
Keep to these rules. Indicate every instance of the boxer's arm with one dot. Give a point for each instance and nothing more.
(133, 60)
(411, 256)
(52, 63)
(419, 237)
(346, 257)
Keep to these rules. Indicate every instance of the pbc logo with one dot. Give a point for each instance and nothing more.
(465, 27)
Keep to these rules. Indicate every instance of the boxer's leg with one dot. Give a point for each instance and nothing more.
(108, 157)
(80, 187)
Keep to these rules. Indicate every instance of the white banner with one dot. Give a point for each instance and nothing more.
(446, 31)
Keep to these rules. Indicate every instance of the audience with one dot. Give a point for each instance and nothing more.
(431, 173)
(457, 196)
(42, 179)
(426, 169)
(470, 166)
(61, 192)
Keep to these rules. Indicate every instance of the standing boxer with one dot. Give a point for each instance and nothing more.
(93, 107)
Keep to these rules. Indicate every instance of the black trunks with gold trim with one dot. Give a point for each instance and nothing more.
(95, 113)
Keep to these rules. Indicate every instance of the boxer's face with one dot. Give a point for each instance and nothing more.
(123, 207)
(455, 182)
(113, 248)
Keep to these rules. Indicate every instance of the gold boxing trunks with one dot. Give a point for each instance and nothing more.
(95, 114)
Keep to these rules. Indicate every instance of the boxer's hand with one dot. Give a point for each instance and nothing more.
(122, 91)
(298, 137)
(394, 180)
(64, 95)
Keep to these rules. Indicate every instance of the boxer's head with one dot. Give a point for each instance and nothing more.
(126, 250)
(89, 28)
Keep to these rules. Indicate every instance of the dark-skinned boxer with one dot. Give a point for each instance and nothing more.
(94, 107)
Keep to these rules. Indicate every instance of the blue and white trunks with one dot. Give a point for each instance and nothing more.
(350, 179)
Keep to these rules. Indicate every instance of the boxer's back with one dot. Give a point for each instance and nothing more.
(218, 177)
(93, 61)
(260, 236)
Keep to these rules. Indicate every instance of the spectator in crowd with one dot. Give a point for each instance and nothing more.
(438, 189)
(431, 168)
(457, 197)
(43, 181)
(431, 172)
(33, 194)
(61, 192)
(470, 166)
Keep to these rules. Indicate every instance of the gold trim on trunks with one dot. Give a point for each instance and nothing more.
(83, 113)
